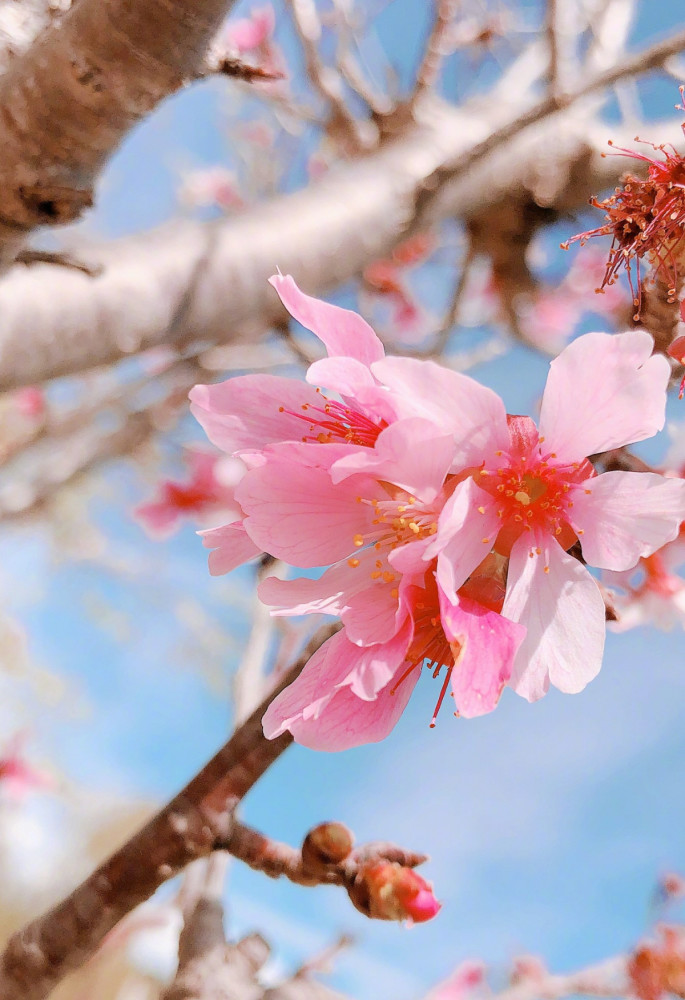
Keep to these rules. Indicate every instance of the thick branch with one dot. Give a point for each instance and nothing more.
(40, 955)
(68, 100)
(55, 321)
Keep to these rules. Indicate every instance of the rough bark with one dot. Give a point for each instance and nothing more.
(69, 99)
(194, 281)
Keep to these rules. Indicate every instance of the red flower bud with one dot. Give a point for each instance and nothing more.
(385, 890)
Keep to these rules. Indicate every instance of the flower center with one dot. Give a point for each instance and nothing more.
(337, 422)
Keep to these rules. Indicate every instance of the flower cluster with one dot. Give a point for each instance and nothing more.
(455, 536)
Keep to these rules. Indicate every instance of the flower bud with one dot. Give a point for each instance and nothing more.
(327, 844)
(385, 890)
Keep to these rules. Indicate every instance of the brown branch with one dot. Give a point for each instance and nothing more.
(41, 954)
(52, 324)
(353, 136)
(327, 857)
(73, 95)
(642, 62)
(435, 49)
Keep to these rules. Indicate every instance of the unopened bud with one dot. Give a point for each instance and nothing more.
(384, 890)
(326, 844)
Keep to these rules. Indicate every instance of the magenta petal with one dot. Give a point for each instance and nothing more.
(343, 332)
(297, 514)
(232, 547)
(489, 643)
(555, 597)
(249, 411)
(467, 530)
(321, 708)
(455, 403)
(621, 516)
(411, 453)
(603, 391)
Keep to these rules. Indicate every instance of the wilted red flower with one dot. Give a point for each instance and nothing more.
(645, 218)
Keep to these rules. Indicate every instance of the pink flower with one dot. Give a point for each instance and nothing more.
(211, 186)
(354, 689)
(464, 981)
(653, 595)
(30, 401)
(17, 777)
(531, 497)
(250, 34)
(209, 489)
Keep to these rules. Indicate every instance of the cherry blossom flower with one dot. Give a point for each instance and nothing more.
(30, 402)
(210, 186)
(209, 489)
(533, 496)
(652, 594)
(353, 690)
(467, 979)
(249, 34)
(17, 776)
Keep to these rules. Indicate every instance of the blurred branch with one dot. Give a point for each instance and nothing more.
(52, 324)
(71, 97)
(435, 49)
(39, 955)
(342, 126)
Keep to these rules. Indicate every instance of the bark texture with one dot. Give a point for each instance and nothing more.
(70, 98)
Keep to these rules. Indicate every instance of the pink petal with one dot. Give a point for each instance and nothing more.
(555, 597)
(366, 606)
(410, 453)
(298, 515)
(455, 403)
(603, 391)
(467, 530)
(354, 382)
(342, 331)
(232, 547)
(626, 515)
(321, 708)
(246, 412)
(489, 643)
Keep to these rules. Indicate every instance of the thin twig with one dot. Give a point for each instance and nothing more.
(342, 124)
(435, 49)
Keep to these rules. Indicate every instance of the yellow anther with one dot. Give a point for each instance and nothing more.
(376, 575)
(388, 577)
(546, 569)
(522, 497)
(359, 540)
(353, 563)
(481, 510)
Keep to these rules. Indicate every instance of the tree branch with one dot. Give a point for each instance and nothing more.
(41, 954)
(58, 322)
(71, 97)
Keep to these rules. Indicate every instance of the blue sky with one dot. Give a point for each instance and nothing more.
(547, 824)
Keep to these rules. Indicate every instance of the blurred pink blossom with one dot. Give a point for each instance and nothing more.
(464, 981)
(30, 401)
(210, 490)
(210, 186)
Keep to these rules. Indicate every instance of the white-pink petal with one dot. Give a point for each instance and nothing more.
(232, 547)
(249, 411)
(603, 391)
(342, 331)
(455, 403)
(353, 380)
(557, 600)
(322, 709)
(411, 453)
(621, 516)
(297, 514)
(467, 530)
